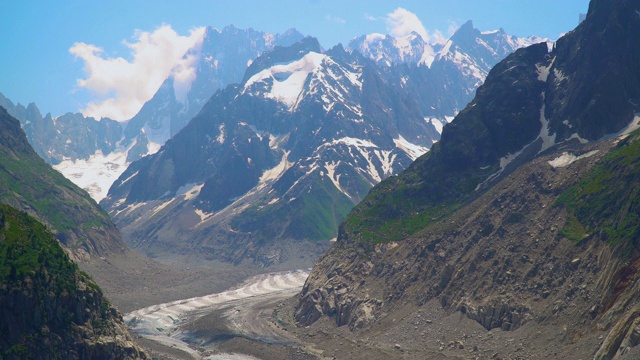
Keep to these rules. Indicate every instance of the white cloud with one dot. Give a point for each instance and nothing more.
(335, 19)
(184, 72)
(122, 86)
(453, 27)
(370, 17)
(438, 38)
(401, 22)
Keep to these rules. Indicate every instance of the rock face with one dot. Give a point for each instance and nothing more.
(49, 309)
(279, 158)
(31, 185)
(523, 216)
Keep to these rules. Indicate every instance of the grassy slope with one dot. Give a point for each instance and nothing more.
(607, 201)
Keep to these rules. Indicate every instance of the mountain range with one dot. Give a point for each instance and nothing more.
(283, 156)
(521, 220)
(476, 198)
(94, 152)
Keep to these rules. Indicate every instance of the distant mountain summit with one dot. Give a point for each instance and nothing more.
(221, 60)
(94, 153)
(387, 50)
(280, 157)
(444, 76)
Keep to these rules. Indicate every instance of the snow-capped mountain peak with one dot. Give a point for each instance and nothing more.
(313, 74)
(387, 50)
(285, 82)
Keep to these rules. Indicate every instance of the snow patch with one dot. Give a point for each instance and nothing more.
(159, 208)
(504, 161)
(579, 138)
(437, 123)
(543, 71)
(277, 171)
(130, 208)
(288, 80)
(387, 159)
(153, 147)
(190, 191)
(567, 159)
(203, 215)
(412, 150)
(222, 134)
(631, 127)
(129, 178)
(548, 140)
(354, 142)
(559, 75)
(335, 179)
(96, 174)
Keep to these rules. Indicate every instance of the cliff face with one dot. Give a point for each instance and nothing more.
(523, 218)
(48, 308)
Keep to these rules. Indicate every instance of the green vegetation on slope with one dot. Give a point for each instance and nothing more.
(43, 296)
(403, 205)
(313, 215)
(607, 200)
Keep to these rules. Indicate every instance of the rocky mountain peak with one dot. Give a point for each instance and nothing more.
(466, 30)
(594, 82)
(12, 138)
(387, 50)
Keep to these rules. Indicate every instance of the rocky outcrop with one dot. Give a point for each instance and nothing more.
(497, 315)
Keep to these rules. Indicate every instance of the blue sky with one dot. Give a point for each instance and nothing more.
(36, 35)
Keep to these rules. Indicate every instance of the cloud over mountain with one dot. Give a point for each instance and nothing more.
(402, 22)
(122, 86)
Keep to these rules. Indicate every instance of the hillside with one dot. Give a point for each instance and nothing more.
(29, 184)
(49, 309)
